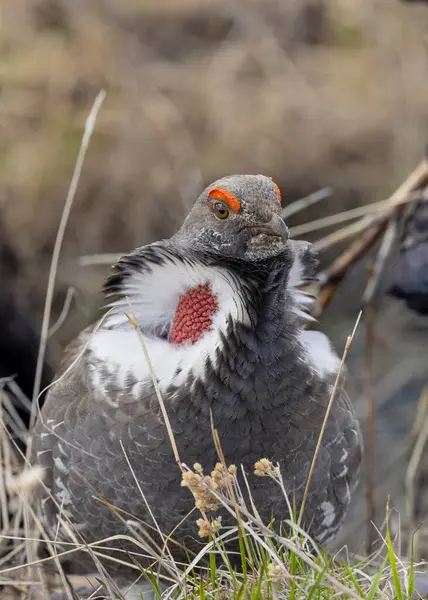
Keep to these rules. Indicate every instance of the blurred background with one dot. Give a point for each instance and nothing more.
(313, 93)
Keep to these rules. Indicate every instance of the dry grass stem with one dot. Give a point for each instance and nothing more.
(332, 277)
(421, 437)
(370, 446)
(89, 127)
(99, 259)
(403, 194)
(132, 319)
(71, 292)
(386, 247)
(163, 537)
(230, 484)
(303, 203)
(288, 544)
(324, 423)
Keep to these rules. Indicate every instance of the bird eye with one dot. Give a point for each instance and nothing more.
(220, 210)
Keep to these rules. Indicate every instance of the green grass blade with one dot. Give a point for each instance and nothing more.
(373, 590)
(316, 585)
(411, 579)
(393, 564)
(213, 568)
(354, 581)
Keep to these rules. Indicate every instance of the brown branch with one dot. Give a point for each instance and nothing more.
(334, 275)
(372, 228)
(417, 180)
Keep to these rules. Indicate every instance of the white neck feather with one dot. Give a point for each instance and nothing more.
(154, 297)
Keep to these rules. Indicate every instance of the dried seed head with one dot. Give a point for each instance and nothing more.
(207, 528)
(25, 480)
(190, 479)
(275, 571)
(201, 487)
(222, 477)
(264, 468)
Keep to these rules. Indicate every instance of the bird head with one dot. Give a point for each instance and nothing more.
(232, 247)
(237, 217)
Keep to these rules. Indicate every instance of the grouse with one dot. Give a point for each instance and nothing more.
(221, 311)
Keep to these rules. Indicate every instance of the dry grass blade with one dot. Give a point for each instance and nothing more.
(331, 278)
(305, 202)
(163, 537)
(288, 544)
(205, 550)
(384, 252)
(89, 127)
(19, 395)
(370, 454)
(347, 215)
(152, 550)
(71, 292)
(134, 323)
(324, 423)
(421, 437)
(6, 468)
(15, 422)
(219, 450)
(99, 259)
(402, 195)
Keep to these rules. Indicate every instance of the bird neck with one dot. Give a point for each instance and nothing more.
(268, 298)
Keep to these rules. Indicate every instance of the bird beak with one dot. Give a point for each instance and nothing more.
(276, 226)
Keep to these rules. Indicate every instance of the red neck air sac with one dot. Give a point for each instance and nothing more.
(194, 314)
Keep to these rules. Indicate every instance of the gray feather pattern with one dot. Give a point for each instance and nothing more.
(266, 401)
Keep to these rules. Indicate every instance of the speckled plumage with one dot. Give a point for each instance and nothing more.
(266, 379)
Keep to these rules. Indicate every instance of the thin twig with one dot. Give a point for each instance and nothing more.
(335, 219)
(402, 195)
(132, 319)
(19, 394)
(89, 127)
(415, 459)
(368, 372)
(6, 469)
(64, 313)
(305, 557)
(305, 202)
(386, 247)
(331, 278)
(324, 423)
(368, 211)
(162, 536)
(89, 260)
(220, 453)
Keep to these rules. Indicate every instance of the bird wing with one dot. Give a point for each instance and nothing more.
(77, 440)
(338, 470)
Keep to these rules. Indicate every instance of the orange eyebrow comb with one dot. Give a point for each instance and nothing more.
(230, 199)
(278, 191)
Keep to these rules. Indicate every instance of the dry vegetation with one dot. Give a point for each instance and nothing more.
(274, 563)
(312, 92)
